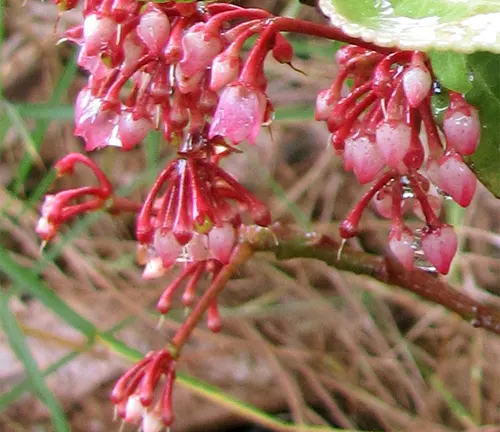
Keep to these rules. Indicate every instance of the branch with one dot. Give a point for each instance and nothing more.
(286, 243)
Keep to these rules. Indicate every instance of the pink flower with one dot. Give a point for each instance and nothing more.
(239, 114)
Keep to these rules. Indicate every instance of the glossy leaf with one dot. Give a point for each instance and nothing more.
(456, 25)
(485, 95)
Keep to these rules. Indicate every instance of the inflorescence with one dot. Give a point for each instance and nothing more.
(179, 69)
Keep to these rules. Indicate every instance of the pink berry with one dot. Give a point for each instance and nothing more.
(417, 83)
(462, 129)
(401, 245)
(439, 246)
(393, 141)
(456, 179)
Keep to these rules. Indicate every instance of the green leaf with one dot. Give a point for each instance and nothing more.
(485, 95)
(478, 77)
(17, 342)
(452, 70)
(457, 25)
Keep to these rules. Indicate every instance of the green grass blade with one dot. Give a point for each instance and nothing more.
(22, 129)
(38, 134)
(18, 344)
(26, 385)
(294, 112)
(29, 281)
(2, 32)
(48, 111)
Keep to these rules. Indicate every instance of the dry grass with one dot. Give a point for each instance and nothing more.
(299, 338)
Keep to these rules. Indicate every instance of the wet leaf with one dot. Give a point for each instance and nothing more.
(456, 25)
(485, 95)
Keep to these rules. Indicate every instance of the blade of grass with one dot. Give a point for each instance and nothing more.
(4, 126)
(294, 112)
(42, 125)
(26, 385)
(60, 112)
(26, 279)
(18, 344)
(2, 31)
(17, 122)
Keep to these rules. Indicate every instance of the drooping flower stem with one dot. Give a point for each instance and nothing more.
(284, 24)
(240, 255)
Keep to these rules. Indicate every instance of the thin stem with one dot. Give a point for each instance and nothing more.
(288, 244)
(240, 255)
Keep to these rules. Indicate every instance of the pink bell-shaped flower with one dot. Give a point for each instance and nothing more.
(97, 32)
(324, 104)
(362, 154)
(132, 131)
(154, 29)
(239, 114)
(393, 141)
(417, 83)
(401, 245)
(456, 178)
(225, 69)
(221, 241)
(199, 48)
(440, 246)
(462, 129)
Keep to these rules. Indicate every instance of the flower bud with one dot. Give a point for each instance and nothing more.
(439, 246)
(401, 245)
(456, 179)
(417, 83)
(239, 114)
(393, 140)
(225, 70)
(97, 32)
(221, 241)
(324, 104)
(154, 29)
(282, 50)
(365, 157)
(462, 129)
(131, 131)
(199, 49)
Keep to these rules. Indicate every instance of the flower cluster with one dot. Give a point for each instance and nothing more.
(178, 68)
(176, 58)
(137, 394)
(385, 132)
